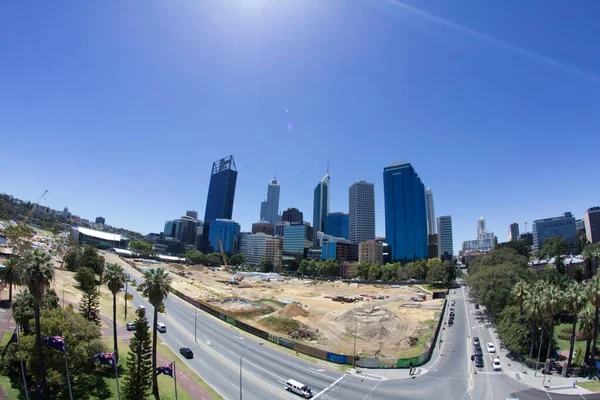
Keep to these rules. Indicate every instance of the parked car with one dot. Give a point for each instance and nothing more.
(491, 348)
(186, 352)
(476, 341)
(479, 361)
(130, 326)
(496, 366)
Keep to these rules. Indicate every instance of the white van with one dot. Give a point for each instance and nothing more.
(142, 308)
(162, 328)
(298, 388)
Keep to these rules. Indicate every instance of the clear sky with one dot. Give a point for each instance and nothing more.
(119, 108)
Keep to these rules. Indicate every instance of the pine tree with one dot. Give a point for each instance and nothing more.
(89, 306)
(138, 379)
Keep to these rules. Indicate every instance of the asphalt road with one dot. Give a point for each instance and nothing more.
(451, 376)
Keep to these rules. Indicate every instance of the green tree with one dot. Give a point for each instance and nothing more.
(450, 273)
(72, 258)
(115, 278)
(195, 257)
(266, 265)
(237, 260)
(554, 247)
(519, 246)
(513, 329)
(533, 308)
(374, 272)
(593, 293)
(580, 240)
(144, 249)
(24, 304)
(90, 258)
(363, 270)
(19, 237)
(156, 286)
(519, 292)
(11, 274)
(435, 274)
(89, 306)
(86, 278)
(138, 381)
(37, 274)
(586, 326)
(553, 304)
(575, 299)
(214, 260)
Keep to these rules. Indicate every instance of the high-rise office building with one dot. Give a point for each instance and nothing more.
(263, 227)
(481, 228)
(591, 220)
(321, 203)
(563, 226)
(185, 230)
(513, 232)
(170, 227)
(405, 212)
(192, 214)
(361, 216)
(253, 246)
(580, 224)
(297, 239)
(221, 190)
(66, 214)
(336, 224)
(274, 251)
(100, 220)
(292, 215)
(280, 226)
(430, 212)
(445, 240)
(344, 251)
(226, 232)
(433, 246)
(269, 208)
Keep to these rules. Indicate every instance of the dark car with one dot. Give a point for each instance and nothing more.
(479, 361)
(130, 326)
(477, 306)
(186, 352)
(476, 341)
(478, 352)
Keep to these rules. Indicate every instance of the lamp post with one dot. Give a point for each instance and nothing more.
(241, 358)
(539, 352)
(354, 355)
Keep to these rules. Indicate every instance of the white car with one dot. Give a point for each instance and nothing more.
(491, 348)
(496, 365)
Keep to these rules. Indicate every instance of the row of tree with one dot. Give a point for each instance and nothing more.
(525, 302)
(434, 271)
(214, 259)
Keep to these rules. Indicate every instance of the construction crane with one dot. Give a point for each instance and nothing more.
(223, 255)
(35, 206)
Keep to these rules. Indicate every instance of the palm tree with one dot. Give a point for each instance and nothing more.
(575, 299)
(519, 292)
(532, 305)
(115, 278)
(586, 325)
(11, 274)
(37, 274)
(593, 288)
(553, 304)
(156, 286)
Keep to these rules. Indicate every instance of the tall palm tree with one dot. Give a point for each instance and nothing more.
(533, 308)
(575, 299)
(11, 274)
(156, 286)
(519, 293)
(115, 278)
(586, 325)
(553, 304)
(37, 274)
(593, 288)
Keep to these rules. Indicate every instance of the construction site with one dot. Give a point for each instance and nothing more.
(383, 320)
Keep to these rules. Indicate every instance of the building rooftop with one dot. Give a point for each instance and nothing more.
(99, 234)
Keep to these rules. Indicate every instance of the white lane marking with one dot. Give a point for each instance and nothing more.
(267, 371)
(374, 387)
(328, 387)
(235, 386)
(316, 370)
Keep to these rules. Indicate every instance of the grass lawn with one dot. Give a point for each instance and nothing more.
(11, 394)
(424, 340)
(594, 386)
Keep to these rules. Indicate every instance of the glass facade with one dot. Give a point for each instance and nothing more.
(228, 232)
(336, 224)
(341, 251)
(297, 239)
(405, 213)
(321, 203)
(445, 239)
(221, 190)
(560, 226)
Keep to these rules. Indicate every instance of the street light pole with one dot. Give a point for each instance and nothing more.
(241, 358)
(539, 353)
(355, 329)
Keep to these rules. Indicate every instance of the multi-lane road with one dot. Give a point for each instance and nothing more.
(449, 375)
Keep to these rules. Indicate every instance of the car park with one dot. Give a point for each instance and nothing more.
(496, 366)
(491, 348)
(479, 361)
(476, 341)
(130, 326)
(186, 352)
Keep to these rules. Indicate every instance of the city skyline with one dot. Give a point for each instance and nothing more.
(445, 96)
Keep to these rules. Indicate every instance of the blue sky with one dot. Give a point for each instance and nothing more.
(119, 109)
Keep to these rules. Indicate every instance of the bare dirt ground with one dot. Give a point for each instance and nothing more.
(387, 327)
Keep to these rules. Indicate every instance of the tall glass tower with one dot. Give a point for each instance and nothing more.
(321, 203)
(269, 208)
(221, 190)
(405, 212)
(430, 212)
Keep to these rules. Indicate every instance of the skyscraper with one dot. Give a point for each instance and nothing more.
(361, 218)
(405, 212)
(292, 215)
(430, 212)
(321, 203)
(192, 213)
(336, 224)
(170, 228)
(221, 190)
(563, 226)
(445, 240)
(591, 220)
(481, 228)
(269, 208)
(513, 232)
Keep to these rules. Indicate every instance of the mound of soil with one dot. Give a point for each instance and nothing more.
(370, 322)
(293, 310)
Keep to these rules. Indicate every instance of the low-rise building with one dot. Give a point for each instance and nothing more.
(591, 220)
(99, 239)
(370, 252)
(253, 246)
(342, 251)
(263, 227)
(274, 251)
(169, 246)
